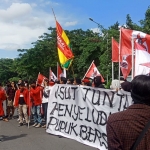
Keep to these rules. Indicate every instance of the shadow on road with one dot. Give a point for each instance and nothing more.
(7, 138)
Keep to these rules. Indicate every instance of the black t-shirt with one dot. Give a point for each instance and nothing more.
(21, 100)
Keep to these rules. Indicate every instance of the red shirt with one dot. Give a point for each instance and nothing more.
(36, 95)
(2, 98)
(25, 95)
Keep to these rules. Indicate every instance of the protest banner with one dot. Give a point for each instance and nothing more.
(81, 112)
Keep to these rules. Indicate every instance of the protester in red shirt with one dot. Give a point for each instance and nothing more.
(2, 98)
(21, 100)
(36, 98)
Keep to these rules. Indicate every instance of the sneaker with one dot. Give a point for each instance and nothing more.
(34, 125)
(20, 124)
(38, 125)
(44, 126)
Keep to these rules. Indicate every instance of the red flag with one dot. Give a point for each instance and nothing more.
(59, 71)
(52, 76)
(40, 79)
(126, 38)
(126, 47)
(125, 42)
(142, 58)
(93, 72)
(126, 65)
(115, 50)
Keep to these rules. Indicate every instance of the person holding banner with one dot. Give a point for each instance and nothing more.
(63, 80)
(98, 82)
(123, 128)
(46, 92)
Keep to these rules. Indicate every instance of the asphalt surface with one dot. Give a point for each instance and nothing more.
(24, 138)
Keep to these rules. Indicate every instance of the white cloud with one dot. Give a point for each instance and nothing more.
(17, 36)
(21, 25)
(95, 30)
(71, 23)
(15, 11)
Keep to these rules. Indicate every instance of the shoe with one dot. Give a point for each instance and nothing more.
(5, 119)
(34, 125)
(44, 126)
(38, 125)
(20, 124)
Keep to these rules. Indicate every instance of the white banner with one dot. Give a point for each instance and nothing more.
(81, 112)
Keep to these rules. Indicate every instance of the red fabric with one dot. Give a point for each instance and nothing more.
(51, 83)
(126, 70)
(36, 95)
(85, 81)
(125, 42)
(115, 51)
(25, 95)
(2, 98)
(126, 38)
(146, 64)
(59, 71)
(40, 79)
(62, 44)
(93, 72)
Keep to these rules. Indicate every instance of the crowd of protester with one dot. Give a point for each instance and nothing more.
(123, 128)
(31, 100)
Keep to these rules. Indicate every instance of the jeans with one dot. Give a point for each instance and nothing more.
(44, 107)
(36, 111)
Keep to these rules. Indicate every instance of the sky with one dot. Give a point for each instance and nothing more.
(23, 21)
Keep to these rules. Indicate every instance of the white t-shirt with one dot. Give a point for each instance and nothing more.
(46, 92)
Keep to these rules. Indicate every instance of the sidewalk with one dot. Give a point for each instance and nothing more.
(22, 138)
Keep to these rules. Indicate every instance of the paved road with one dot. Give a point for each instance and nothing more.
(22, 138)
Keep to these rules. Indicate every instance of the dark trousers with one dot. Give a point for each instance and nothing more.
(44, 107)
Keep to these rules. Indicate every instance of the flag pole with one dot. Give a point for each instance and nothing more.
(88, 69)
(64, 72)
(119, 54)
(111, 60)
(49, 73)
(132, 76)
(57, 71)
(29, 107)
(53, 14)
(112, 70)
